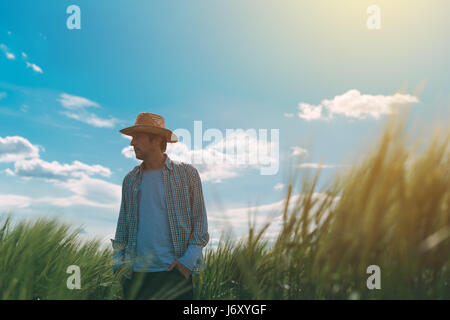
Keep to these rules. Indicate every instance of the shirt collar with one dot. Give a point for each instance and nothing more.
(167, 164)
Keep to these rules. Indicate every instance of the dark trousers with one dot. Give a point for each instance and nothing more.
(162, 285)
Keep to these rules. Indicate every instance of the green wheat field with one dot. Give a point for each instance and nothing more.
(390, 208)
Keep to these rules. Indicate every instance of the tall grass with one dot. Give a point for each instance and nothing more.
(390, 209)
(35, 255)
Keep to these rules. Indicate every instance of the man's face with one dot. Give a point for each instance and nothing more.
(144, 145)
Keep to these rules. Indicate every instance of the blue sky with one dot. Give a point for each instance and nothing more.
(311, 69)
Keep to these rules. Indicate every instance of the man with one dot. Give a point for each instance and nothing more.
(162, 225)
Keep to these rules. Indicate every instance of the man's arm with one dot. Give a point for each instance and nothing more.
(199, 236)
(190, 257)
(121, 238)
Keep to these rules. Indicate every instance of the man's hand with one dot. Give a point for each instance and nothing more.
(181, 267)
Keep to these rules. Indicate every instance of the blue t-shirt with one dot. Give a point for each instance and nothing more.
(155, 251)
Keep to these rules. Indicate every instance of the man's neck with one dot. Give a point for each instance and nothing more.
(156, 162)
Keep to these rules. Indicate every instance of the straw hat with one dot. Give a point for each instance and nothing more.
(147, 122)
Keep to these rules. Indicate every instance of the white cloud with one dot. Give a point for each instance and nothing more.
(128, 152)
(27, 162)
(35, 67)
(288, 115)
(38, 168)
(75, 102)
(309, 112)
(278, 186)
(353, 104)
(75, 177)
(17, 148)
(12, 201)
(318, 165)
(9, 55)
(8, 172)
(126, 137)
(92, 119)
(226, 157)
(297, 151)
(78, 106)
(87, 192)
(208, 172)
(236, 219)
(24, 108)
(92, 192)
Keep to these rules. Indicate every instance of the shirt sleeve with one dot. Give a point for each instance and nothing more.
(199, 221)
(121, 237)
(193, 252)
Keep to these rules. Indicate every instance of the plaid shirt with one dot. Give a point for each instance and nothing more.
(186, 212)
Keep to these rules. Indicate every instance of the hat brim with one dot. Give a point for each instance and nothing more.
(166, 133)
